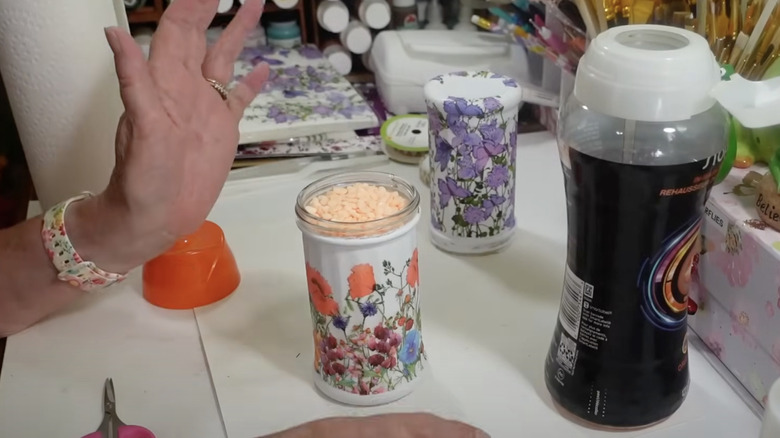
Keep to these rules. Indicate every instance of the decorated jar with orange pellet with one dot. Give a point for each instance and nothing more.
(362, 274)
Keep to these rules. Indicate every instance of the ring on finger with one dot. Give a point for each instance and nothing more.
(219, 86)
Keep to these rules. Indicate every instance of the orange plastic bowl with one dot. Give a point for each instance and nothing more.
(198, 270)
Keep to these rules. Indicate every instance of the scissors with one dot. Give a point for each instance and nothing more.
(112, 426)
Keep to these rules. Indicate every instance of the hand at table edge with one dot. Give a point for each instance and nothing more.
(398, 425)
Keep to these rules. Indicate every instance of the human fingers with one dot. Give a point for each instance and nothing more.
(247, 89)
(423, 425)
(221, 57)
(136, 86)
(384, 426)
(181, 33)
(190, 14)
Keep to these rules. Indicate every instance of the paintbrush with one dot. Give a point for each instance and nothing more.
(769, 9)
(752, 12)
(766, 54)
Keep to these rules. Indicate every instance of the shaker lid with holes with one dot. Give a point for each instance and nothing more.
(648, 73)
(473, 92)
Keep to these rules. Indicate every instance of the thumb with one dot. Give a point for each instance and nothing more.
(247, 89)
(136, 86)
(427, 425)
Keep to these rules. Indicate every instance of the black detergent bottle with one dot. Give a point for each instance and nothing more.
(641, 142)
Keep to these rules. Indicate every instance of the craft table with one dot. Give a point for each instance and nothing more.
(53, 373)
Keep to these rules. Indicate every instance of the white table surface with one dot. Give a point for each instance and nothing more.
(53, 373)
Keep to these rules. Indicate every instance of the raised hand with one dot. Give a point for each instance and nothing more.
(178, 136)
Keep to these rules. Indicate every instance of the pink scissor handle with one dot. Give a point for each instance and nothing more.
(126, 432)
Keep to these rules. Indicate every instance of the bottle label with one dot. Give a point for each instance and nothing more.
(619, 352)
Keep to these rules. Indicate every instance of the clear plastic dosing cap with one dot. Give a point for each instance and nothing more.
(649, 73)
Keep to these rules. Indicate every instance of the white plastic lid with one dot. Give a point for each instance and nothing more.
(286, 4)
(483, 90)
(375, 13)
(333, 15)
(290, 23)
(339, 57)
(404, 3)
(649, 73)
(356, 37)
(755, 104)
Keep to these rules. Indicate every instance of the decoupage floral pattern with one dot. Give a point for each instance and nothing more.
(303, 89)
(736, 256)
(370, 342)
(743, 322)
(738, 293)
(310, 146)
(473, 143)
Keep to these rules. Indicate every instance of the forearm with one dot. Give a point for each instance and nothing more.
(29, 287)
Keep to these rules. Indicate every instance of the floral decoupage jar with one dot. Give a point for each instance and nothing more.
(473, 141)
(362, 274)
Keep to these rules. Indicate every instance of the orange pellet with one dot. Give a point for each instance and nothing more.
(359, 202)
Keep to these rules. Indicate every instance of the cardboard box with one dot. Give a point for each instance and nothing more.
(736, 285)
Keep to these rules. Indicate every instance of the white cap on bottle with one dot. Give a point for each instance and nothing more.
(648, 73)
(374, 13)
(356, 37)
(333, 15)
(286, 4)
(339, 58)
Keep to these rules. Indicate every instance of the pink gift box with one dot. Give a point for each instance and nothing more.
(736, 285)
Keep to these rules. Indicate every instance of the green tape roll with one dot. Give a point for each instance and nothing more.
(405, 137)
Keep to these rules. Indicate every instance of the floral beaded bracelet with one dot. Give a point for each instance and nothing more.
(71, 267)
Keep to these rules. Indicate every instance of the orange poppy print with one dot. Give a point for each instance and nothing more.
(361, 281)
(413, 274)
(320, 292)
(371, 342)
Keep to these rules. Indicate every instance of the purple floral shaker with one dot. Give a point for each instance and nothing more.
(473, 140)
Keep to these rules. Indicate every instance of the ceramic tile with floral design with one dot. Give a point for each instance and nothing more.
(304, 96)
(342, 143)
(736, 285)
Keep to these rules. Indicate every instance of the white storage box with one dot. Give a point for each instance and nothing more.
(403, 61)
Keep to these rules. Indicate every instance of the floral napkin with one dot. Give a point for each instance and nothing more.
(304, 96)
(339, 143)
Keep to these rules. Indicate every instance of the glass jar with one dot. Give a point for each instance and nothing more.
(473, 140)
(363, 283)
